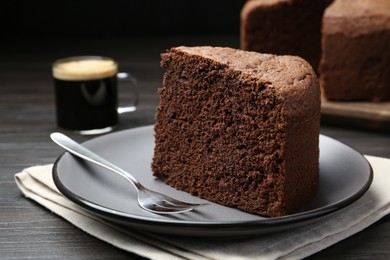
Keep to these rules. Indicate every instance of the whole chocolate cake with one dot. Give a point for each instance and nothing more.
(290, 27)
(355, 62)
(239, 128)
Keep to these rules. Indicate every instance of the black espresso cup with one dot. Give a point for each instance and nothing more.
(86, 93)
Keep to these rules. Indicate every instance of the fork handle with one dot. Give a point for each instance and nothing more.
(86, 154)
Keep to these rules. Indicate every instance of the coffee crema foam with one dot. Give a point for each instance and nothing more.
(88, 69)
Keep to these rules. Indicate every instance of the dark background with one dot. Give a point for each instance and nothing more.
(118, 18)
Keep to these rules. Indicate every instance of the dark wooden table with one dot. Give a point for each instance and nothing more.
(27, 116)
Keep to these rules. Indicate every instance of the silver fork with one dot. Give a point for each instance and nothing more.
(149, 200)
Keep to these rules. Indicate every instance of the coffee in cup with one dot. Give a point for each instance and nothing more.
(86, 93)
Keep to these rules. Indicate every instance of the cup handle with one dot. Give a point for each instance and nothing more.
(124, 76)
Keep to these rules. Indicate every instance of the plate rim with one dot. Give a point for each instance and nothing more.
(124, 218)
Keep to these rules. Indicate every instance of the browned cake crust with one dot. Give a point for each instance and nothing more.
(355, 61)
(239, 128)
(284, 27)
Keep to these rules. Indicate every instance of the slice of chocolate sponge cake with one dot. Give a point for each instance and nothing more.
(239, 128)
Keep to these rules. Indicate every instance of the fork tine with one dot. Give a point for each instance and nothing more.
(169, 201)
(178, 203)
(172, 203)
(160, 209)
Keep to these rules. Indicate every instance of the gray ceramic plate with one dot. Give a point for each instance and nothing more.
(345, 175)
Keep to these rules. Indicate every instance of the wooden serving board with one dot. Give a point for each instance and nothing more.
(364, 115)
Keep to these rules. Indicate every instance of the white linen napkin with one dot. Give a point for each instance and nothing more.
(36, 183)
